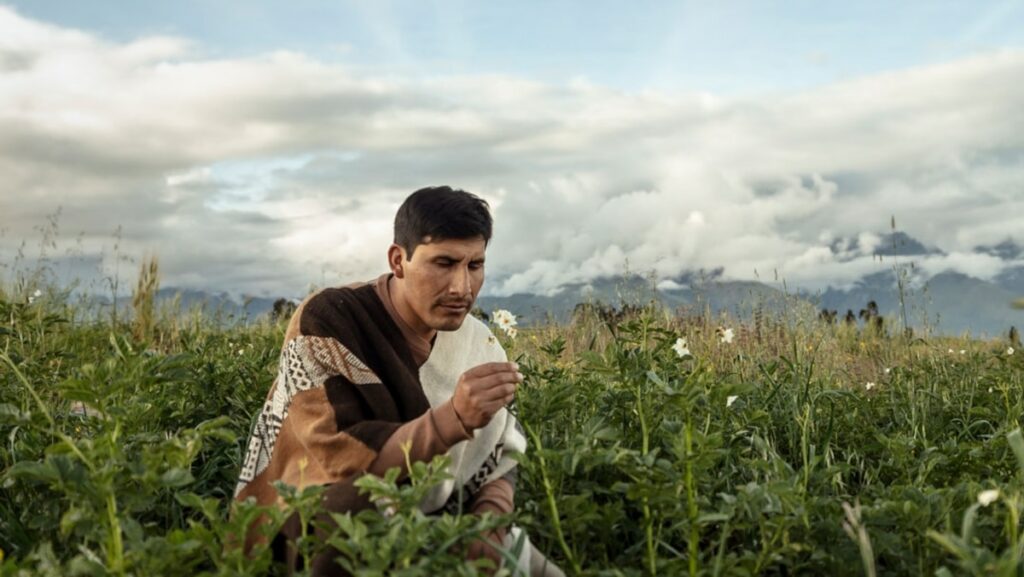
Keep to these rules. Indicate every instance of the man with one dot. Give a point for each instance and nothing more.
(368, 367)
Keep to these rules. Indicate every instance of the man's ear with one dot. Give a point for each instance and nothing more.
(396, 258)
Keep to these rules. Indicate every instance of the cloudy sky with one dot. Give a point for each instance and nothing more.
(258, 147)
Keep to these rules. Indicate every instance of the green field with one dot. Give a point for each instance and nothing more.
(768, 455)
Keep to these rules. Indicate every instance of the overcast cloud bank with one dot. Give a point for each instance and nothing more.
(263, 174)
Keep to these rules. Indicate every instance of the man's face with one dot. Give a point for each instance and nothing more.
(441, 281)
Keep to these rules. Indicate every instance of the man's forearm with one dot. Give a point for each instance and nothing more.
(430, 434)
(497, 497)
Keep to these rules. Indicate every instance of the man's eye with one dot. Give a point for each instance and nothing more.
(476, 265)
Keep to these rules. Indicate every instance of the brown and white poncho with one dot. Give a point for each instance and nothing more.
(353, 384)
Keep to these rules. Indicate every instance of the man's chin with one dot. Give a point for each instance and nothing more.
(449, 323)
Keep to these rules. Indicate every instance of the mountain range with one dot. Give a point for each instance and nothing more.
(947, 302)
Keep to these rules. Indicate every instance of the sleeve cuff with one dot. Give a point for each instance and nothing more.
(448, 425)
(490, 506)
(496, 497)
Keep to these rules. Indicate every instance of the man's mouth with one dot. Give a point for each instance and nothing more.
(455, 307)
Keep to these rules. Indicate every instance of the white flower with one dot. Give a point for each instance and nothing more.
(730, 400)
(986, 498)
(963, 352)
(887, 370)
(1009, 350)
(503, 318)
(32, 298)
(506, 321)
(680, 348)
(990, 389)
(950, 351)
(869, 386)
(386, 507)
(726, 335)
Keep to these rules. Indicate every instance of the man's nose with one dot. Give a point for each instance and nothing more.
(460, 282)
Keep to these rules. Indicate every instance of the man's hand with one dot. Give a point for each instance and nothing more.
(484, 548)
(483, 390)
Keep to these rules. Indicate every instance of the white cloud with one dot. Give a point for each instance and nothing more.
(670, 285)
(983, 266)
(260, 174)
(868, 242)
(189, 177)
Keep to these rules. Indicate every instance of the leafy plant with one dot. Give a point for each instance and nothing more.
(763, 453)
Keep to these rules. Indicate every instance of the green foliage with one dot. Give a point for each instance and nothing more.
(119, 452)
(640, 465)
(403, 540)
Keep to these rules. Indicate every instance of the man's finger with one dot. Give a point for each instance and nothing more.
(498, 392)
(498, 402)
(491, 368)
(493, 409)
(496, 380)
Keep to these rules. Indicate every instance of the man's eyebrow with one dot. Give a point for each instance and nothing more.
(455, 258)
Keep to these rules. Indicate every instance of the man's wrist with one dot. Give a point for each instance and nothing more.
(497, 535)
(448, 424)
(459, 417)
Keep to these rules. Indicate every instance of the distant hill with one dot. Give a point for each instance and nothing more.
(890, 244)
(1006, 250)
(227, 308)
(949, 302)
(250, 307)
(737, 298)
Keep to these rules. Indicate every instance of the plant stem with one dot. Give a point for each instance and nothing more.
(691, 498)
(115, 556)
(645, 504)
(42, 408)
(552, 506)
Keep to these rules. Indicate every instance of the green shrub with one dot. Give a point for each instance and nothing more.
(119, 452)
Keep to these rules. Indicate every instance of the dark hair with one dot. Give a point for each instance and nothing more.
(440, 213)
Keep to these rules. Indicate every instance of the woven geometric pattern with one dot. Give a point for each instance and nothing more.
(305, 363)
(325, 357)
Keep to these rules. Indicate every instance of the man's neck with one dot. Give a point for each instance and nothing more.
(397, 296)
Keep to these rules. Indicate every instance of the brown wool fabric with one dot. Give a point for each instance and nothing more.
(345, 384)
(346, 397)
(419, 347)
